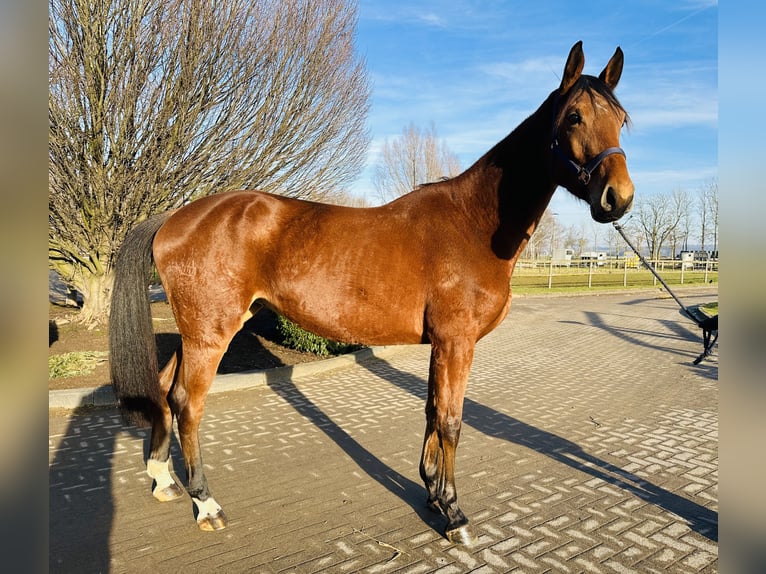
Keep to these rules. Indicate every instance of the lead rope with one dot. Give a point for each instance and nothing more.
(708, 338)
(619, 228)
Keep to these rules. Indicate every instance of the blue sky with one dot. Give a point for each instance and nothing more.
(477, 68)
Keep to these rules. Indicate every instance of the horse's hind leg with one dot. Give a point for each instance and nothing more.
(450, 365)
(195, 375)
(157, 465)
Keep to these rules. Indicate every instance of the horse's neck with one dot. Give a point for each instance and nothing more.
(515, 183)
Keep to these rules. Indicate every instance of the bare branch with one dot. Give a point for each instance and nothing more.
(414, 158)
(154, 103)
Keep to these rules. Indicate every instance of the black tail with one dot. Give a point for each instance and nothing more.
(132, 346)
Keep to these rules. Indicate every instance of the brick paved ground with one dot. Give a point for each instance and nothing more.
(590, 444)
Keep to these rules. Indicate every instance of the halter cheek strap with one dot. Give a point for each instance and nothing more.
(584, 172)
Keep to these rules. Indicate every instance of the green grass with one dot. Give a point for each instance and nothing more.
(710, 309)
(74, 364)
(565, 280)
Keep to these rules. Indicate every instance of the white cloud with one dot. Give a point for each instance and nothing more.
(669, 179)
(655, 108)
(526, 70)
(432, 19)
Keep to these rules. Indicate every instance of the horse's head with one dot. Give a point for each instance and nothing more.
(587, 121)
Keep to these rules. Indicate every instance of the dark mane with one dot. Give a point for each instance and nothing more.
(592, 86)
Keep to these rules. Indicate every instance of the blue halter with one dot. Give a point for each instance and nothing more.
(583, 172)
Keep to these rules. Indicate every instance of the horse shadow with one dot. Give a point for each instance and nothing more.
(82, 475)
(497, 425)
(81, 482)
(404, 488)
(634, 336)
(676, 331)
(502, 426)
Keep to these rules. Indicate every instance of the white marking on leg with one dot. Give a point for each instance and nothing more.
(160, 472)
(207, 508)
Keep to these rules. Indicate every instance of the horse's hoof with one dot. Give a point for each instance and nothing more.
(212, 523)
(209, 514)
(164, 487)
(462, 535)
(170, 492)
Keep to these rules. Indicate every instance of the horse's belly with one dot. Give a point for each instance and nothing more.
(354, 314)
(368, 325)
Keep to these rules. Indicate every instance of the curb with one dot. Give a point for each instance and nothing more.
(104, 396)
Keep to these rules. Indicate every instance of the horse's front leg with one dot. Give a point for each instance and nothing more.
(448, 375)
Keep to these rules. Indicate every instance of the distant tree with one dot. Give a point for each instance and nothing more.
(414, 158)
(683, 232)
(710, 191)
(579, 238)
(348, 199)
(155, 103)
(595, 232)
(613, 241)
(679, 204)
(657, 216)
(572, 238)
(546, 237)
(636, 234)
(707, 212)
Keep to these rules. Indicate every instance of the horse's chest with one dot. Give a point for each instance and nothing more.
(485, 295)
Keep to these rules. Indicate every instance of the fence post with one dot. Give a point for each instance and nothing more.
(550, 273)
(625, 273)
(590, 275)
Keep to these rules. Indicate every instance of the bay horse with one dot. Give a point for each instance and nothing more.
(433, 266)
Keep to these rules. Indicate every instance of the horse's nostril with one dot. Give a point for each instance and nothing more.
(609, 199)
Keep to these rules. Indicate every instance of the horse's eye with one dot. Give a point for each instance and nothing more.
(574, 118)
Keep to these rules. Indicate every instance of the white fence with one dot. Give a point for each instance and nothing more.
(611, 272)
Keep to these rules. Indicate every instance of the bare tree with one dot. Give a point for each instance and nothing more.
(702, 213)
(579, 241)
(572, 238)
(613, 243)
(595, 229)
(710, 192)
(657, 216)
(414, 158)
(348, 199)
(155, 103)
(636, 232)
(684, 229)
(546, 237)
(679, 204)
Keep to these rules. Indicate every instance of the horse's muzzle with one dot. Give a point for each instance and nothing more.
(612, 204)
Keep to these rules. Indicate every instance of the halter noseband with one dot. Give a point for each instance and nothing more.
(584, 171)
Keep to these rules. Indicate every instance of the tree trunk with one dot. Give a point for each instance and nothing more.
(96, 291)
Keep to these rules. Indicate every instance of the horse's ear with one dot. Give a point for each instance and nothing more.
(573, 68)
(611, 74)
